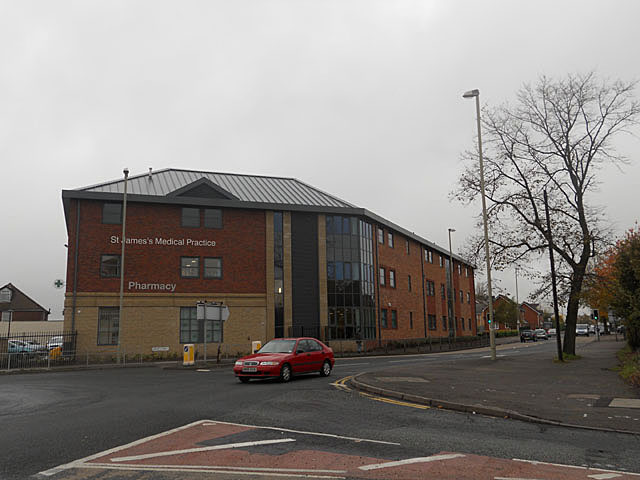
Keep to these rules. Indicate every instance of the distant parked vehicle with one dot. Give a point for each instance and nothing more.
(17, 346)
(54, 342)
(541, 334)
(582, 329)
(35, 347)
(527, 335)
(551, 332)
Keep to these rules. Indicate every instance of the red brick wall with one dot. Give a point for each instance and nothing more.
(240, 244)
(29, 316)
(530, 317)
(404, 301)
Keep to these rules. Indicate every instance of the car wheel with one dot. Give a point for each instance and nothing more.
(244, 379)
(285, 373)
(326, 369)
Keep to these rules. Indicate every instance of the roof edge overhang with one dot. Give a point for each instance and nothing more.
(67, 195)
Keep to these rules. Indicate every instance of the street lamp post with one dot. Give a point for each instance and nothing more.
(123, 240)
(492, 334)
(452, 295)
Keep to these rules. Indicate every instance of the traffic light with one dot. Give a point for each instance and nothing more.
(595, 315)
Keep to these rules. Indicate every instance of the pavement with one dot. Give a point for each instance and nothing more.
(523, 383)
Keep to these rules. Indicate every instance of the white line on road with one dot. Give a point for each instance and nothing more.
(226, 446)
(408, 461)
(535, 462)
(77, 463)
(604, 476)
(354, 439)
(203, 469)
(229, 467)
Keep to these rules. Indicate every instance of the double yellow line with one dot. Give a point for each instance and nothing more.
(342, 385)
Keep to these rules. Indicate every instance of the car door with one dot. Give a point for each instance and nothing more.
(316, 356)
(300, 358)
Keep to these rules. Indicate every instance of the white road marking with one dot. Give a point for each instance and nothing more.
(228, 467)
(203, 370)
(535, 462)
(203, 469)
(354, 439)
(408, 461)
(226, 446)
(604, 476)
(79, 462)
(489, 356)
(514, 478)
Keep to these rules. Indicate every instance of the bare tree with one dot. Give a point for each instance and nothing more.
(556, 137)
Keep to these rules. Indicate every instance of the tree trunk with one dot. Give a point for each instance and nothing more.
(573, 306)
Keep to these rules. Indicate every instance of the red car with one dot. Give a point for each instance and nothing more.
(284, 357)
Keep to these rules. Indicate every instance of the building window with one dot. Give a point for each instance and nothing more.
(469, 324)
(109, 266)
(461, 297)
(462, 322)
(409, 281)
(394, 319)
(432, 322)
(444, 322)
(441, 260)
(108, 325)
(190, 217)
(392, 279)
(459, 269)
(380, 235)
(411, 320)
(383, 318)
(468, 297)
(407, 246)
(466, 271)
(442, 291)
(212, 267)
(189, 267)
(382, 274)
(212, 218)
(390, 239)
(192, 329)
(112, 213)
(428, 256)
(5, 295)
(431, 288)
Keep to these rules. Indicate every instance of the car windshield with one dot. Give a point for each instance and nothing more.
(278, 346)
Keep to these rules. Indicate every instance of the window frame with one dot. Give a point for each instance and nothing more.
(384, 321)
(381, 274)
(182, 217)
(381, 236)
(394, 319)
(409, 282)
(182, 267)
(392, 279)
(118, 268)
(204, 218)
(109, 331)
(204, 268)
(390, 241)
(104, 206)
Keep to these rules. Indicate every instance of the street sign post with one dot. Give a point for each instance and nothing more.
(211, 312)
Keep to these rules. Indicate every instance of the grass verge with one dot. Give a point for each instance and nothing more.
(566, 357)
(629, 368)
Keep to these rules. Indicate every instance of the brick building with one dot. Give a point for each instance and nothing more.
(16, 306)
(286, 258)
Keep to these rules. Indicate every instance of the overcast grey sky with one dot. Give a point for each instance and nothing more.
(361, 99)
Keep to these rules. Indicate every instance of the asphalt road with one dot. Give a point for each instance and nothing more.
(49, 419)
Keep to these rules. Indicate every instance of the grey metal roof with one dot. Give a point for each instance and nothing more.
(246, 188)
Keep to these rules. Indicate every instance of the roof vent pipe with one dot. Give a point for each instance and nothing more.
(150, 173)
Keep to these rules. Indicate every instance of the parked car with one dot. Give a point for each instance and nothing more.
(285, 357)
(526, 335)
(54, 342)
(35, 347)
(541, 334)
(551, 332)
(17, 346)
(582, 329)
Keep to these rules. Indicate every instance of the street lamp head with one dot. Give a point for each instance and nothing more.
(125, 171)
(471, 93)
(452, 229)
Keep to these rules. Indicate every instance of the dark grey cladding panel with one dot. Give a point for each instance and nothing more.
(304, 270)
